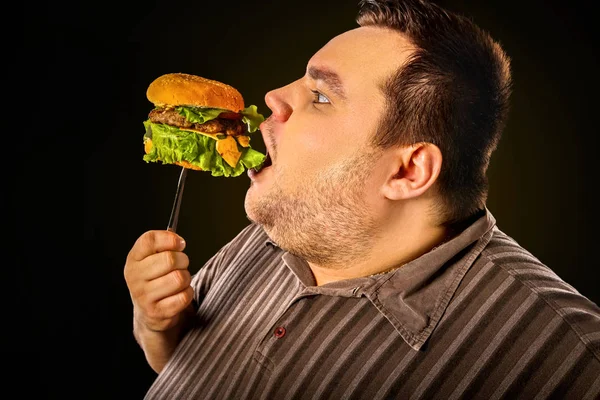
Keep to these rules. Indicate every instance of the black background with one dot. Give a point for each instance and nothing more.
(79, 193)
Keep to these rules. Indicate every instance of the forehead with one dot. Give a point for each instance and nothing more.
(363, 57)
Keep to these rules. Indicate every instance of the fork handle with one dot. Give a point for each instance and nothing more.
(174, 218)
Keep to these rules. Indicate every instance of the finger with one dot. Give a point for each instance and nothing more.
(173, 305)
(161, 264)
(167, 285)
(155, 241)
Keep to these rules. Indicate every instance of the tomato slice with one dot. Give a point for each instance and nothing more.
(230, 115)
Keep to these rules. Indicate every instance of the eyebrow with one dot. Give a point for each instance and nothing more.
(330, 78)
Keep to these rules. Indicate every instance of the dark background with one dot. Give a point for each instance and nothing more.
(79, 193)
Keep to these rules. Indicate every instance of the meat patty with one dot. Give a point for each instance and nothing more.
(170, 116)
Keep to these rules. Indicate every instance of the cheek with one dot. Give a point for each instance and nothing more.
(315, 145)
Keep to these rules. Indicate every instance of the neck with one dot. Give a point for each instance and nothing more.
(400, 241)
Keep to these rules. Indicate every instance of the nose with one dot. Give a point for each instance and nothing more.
(276, 101)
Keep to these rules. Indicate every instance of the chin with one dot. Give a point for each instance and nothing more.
(250, 204)
(257, 194)
(258, 208)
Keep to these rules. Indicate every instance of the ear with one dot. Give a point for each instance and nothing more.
(415, 170)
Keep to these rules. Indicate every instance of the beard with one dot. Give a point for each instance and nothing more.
(326, 220)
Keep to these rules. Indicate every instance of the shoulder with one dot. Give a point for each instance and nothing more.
(533, 278)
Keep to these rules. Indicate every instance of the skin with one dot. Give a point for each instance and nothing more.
(159, 284)
(349, 209)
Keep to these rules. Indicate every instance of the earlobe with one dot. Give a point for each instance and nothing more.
(416, 169)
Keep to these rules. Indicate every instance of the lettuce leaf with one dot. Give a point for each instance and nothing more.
(170, 144)
(199, 115)
(252, 118)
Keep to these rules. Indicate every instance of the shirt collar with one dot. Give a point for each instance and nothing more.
(414, 297)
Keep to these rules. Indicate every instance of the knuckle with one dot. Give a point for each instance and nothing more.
(178, 278)
(147, 312)
(184, 298)
(129, 273)
(178, 302)
(154, 312)
(129, 267)
(184, 260)
(164, 311)
(151, 240)
(148, 239)
(126, 273)
(139, 294)
(187, 278)
(173, 241)
(169, 259)
(189, 292)
(184, 278)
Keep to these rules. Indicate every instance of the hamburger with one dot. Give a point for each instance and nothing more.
(200, 124)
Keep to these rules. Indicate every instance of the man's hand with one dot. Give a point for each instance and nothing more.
(159, 284)
(158, 280)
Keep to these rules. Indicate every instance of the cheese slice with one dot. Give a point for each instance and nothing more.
(210, 135)
(147, 145)
(228, 149)
(244, 141)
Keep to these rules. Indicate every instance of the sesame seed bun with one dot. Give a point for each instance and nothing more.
(179, 89)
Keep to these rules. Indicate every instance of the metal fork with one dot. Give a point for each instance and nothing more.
(174, 218)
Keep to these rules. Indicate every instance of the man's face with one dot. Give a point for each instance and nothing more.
(319, 199)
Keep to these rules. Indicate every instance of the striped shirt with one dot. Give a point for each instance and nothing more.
(478, 317)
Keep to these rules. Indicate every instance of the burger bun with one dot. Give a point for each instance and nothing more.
(179, 89)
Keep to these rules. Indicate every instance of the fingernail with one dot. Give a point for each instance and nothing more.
(181, 243)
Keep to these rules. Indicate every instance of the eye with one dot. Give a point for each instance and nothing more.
(319, 98)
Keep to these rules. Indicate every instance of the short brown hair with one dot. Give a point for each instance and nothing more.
(453, 92)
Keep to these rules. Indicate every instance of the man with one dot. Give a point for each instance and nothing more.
(372, 268)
